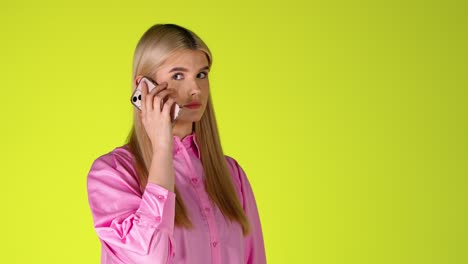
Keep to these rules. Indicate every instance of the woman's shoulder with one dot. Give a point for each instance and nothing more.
(123, 154)
(112, 182)
(118, 161)
(237, 173)
(115, 156)
(232, 163)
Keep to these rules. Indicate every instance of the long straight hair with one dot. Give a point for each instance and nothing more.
(156, 45)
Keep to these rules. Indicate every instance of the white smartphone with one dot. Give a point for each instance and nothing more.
(135, 99)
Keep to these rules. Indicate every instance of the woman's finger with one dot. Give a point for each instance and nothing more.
(159, 88)
(150, 96)
(161, 97)
(168, 106)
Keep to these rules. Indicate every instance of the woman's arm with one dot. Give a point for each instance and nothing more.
(137, 228)
(253, 242)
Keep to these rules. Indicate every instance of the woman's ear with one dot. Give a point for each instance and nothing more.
(137, 79)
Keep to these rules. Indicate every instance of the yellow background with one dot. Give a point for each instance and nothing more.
(349, 117)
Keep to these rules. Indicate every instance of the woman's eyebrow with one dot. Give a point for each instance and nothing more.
(186, 70)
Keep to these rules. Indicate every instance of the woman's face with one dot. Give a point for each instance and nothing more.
(186, 72)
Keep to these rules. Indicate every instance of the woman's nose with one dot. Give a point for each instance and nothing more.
(194, 88)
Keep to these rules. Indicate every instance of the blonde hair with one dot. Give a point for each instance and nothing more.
(156, 44)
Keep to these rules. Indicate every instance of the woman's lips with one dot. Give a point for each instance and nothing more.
(192, 105)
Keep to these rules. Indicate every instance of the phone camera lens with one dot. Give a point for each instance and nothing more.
(134, 99)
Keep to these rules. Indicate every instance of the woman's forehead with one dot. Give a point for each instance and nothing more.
(189, 59)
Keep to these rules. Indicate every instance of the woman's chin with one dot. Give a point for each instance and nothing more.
(189, 119)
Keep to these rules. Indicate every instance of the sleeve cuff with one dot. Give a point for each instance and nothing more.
(158, 207)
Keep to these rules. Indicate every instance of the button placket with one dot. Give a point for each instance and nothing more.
(194, 181)
(205, 211)
(208, 212)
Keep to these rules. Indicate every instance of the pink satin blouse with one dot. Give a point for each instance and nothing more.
(136, 227)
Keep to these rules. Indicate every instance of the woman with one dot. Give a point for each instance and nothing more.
(170, 195)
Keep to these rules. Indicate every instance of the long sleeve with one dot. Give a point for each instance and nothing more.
(132, 227)
(253, 242)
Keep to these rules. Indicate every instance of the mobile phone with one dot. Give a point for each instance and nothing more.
(135, 99)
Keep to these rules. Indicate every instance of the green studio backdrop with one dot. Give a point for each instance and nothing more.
(349, 118)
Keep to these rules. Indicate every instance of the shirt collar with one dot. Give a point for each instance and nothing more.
(188, 142)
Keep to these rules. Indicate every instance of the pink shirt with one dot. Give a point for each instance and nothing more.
(136, 227)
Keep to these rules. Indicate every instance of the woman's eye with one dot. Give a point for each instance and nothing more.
(203, 75)
(175, 76)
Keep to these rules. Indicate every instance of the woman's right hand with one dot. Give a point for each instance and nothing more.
(157, 121)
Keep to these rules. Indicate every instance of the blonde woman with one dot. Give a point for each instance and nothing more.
(170, 195)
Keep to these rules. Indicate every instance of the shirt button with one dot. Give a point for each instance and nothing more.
(158, 218)
(194, 181)
(160, 197)
(207, 209)
(215, 243)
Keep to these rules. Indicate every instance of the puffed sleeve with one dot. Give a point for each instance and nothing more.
(134, 227)
(253, 242)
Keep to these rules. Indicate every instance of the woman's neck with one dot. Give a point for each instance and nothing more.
(182, 129)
